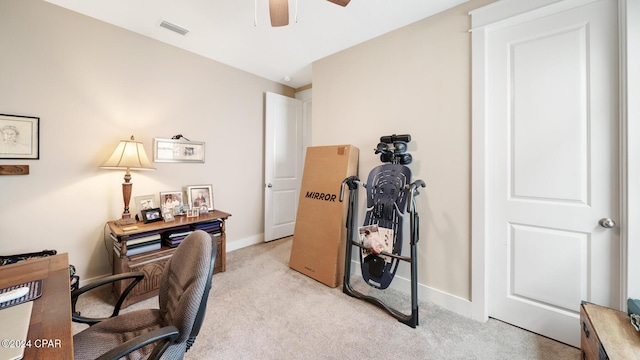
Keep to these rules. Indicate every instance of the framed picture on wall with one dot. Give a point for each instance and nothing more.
(200, 195)
(19, 137)
(178, 150)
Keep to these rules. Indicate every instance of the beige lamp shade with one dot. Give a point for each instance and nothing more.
(129, 154)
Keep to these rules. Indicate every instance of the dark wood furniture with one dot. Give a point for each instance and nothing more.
(51, 313)
(607, 334)
(152, 263)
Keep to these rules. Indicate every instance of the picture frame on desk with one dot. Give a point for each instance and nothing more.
(199, 195)
(145, 202)
(151, 215)
(180, 210)
(167, 215)
(170, 199)
(193, 212)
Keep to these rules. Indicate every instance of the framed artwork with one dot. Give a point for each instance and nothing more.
(199, 195)
(19, 137)
(177, 150)
(170, 200)
(151, 215)
(145, 202)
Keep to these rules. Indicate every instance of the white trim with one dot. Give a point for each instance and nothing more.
(243, 243)
(630, 115)
(425, 293)
(92, 280)
(306, 96)
(479, 251)
(624, 155)
(506, 13)
(499, 15)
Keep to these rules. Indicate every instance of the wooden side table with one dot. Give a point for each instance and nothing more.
(607, 334)
(152, 263)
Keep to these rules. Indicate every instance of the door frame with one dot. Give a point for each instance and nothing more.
(502, 14)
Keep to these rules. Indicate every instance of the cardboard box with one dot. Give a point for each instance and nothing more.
(319, 236)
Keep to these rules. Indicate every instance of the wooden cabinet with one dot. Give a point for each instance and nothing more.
(152, 263)
(607, 334)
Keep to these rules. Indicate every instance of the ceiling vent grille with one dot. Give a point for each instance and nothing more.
(173, 27)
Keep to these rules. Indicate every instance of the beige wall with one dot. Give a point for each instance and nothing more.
(93, 84)
(415, 80)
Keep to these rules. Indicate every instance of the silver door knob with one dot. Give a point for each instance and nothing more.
(269, 185)
(607, 223)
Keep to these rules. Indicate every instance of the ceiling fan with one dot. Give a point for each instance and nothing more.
(279, 10)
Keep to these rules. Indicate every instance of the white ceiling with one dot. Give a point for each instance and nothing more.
(224, 30)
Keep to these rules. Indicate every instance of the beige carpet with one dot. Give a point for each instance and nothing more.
(261, 309)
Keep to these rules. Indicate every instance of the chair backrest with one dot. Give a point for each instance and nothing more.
(185, 285)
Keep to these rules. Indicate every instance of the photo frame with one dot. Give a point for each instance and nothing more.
(168, 216)
(151, 215)
(145, 202)
(169, 200)
(193, 212)
(19, 137)
(179, 210)
(198, 195)
(178, 150)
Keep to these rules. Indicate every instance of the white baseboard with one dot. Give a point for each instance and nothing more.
(427, 294)
(242, 243)
(92, 280)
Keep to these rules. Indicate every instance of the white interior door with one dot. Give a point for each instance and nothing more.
(553, 167)
(283, 164)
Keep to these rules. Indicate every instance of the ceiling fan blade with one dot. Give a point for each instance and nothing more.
(340, 2)
(279, 12)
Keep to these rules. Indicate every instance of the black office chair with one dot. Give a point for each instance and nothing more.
(167, 332)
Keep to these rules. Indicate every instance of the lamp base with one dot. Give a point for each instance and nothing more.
(128, 221)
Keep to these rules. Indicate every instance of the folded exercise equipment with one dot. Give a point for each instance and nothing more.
(390, 198)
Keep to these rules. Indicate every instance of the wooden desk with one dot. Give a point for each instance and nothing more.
(607, 334)
(50, 328)
(152, 263)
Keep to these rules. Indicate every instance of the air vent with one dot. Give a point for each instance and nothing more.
(175, 28)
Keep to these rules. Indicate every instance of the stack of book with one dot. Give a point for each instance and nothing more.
(139, 243)
(174, 237)
(213, 227)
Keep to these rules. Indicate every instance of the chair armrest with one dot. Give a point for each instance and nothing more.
(75, 315)
(164, 336)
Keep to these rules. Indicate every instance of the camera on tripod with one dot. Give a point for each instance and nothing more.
(393, 149)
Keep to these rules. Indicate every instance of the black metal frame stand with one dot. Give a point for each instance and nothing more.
(409, 319)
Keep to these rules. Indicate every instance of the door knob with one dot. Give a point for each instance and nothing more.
(607, 223)
(269, 185)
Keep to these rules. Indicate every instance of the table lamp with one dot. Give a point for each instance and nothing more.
(129, 155)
